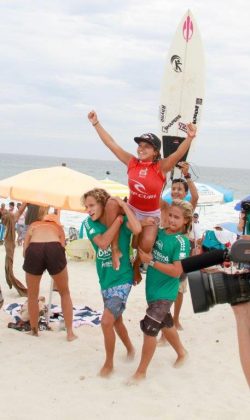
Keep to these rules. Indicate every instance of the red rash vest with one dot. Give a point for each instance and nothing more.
(146, 182)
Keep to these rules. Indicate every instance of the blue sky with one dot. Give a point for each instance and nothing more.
(61, 58)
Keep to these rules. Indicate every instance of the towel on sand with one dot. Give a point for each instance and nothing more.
(82, 315)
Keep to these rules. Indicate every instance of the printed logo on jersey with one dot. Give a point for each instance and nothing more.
(182, 255)
(176, 63)
(158, 256)
(138, 186)
(88, 227)
(103, 254)
(137, 189)
(188, 29)
(159, 244)
(143, 172)
(182, 243)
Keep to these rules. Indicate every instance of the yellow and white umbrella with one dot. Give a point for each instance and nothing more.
(59, 187)
(115, 188)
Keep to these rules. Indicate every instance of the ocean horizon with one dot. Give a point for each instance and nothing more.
(236, 180)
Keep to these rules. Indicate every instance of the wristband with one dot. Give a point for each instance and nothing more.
(151, 263)
(187, 176)
(97, 122)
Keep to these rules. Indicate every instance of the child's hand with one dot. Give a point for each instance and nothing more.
(92, 116)
(144, 256)
(120, 218)
(191, 130)
(149, 221)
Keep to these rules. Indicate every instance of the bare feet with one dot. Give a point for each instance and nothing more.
(106, 371)
(136, 378)
(34, 332)
(131, 354)
(71, 337)
(181, 359)
(116, 255)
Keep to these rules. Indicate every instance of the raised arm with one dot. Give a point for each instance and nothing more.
(106, 138)
(20, 211)
(191, 185)
(105, 239)
(168, 163)
(133, 224)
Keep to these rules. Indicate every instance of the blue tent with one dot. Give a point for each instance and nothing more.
(208, 194)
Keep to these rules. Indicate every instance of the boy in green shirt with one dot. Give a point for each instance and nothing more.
(115, 284)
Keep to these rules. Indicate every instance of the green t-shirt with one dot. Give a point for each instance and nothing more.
(108, 277)
(167, 249)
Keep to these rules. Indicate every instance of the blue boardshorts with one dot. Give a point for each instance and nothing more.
(115, 298)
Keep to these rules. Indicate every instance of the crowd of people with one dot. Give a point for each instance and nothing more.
(162, 233)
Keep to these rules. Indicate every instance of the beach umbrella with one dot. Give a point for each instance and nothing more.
(58, 186)
(232, 227)
(238, 205)
(115, 188)
(208, 194)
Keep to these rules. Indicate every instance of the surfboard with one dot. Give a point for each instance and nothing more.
(81, 250)
(183, 85)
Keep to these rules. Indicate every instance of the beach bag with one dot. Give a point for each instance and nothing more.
(210, 241)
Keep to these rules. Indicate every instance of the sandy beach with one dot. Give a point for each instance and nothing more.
(47, 377)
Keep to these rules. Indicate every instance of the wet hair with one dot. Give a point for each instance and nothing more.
(187, 211)
(158, 156)
(100, 195)
(182, 181)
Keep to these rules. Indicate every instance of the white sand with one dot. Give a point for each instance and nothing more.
(49, 378)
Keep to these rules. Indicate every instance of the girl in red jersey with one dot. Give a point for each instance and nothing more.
(146, 180)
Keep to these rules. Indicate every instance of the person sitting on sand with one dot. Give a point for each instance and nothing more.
(162, 283)
(115, 284)
(44, 250)
(146, 179)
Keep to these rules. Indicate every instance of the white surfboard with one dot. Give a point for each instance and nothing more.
(183, 86)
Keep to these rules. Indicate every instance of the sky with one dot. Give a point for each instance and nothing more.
(59, 59)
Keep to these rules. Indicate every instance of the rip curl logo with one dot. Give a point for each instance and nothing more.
(138, 186)
(176, 63)
(188, 29)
